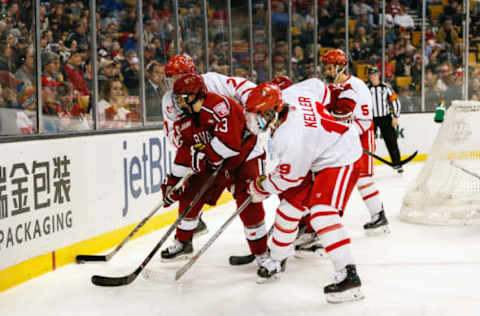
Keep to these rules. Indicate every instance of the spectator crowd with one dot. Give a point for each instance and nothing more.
(66, 60)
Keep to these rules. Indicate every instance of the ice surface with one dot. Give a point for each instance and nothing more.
(416, 270)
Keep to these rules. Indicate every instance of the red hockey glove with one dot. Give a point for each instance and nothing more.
(170, 196)
(256, 191)
(343, 100)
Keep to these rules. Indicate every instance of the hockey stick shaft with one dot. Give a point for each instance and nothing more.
(107, 257)
(118, 281)
(471, 173)
(180, 272)
(402, 162)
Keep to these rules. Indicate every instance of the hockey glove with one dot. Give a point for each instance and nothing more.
(199, 163)
(170, 196)
(203, 158)
(343, 100)
(256, 191)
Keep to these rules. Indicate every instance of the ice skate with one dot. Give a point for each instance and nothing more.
(201, 229)
(378, 225)
(261, 259)
(308, 244)
(270, 270)
(346, 287)
(178, 251)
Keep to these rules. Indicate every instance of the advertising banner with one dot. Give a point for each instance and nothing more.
(56, 192)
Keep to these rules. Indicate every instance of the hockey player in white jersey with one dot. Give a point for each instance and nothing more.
(334, 69)
(317, 171)
(233, 87)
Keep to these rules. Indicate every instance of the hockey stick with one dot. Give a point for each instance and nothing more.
(124, 280)
(107, 257)
(246, 259)
(402, 162)
(473, 174)
(180, 272)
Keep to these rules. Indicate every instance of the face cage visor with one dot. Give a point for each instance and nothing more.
(258, 124)
(339, 69)
(181, 105)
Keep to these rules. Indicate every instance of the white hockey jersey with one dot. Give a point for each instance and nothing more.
(363, 112)
(233, 87)
(309, 139)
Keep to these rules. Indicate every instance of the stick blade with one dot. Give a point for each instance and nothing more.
(409, 158)
(90, 258)
(112, 281)
(241, 260)
(180, 272)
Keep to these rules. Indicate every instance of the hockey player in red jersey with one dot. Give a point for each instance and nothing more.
(212, 134)
(334, 69)
(235, 88)
(317, 171)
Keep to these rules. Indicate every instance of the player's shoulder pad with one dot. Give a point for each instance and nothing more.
(217, 105)
(211, 75)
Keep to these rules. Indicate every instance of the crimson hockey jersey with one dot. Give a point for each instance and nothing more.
(235, 88)
(221, 127)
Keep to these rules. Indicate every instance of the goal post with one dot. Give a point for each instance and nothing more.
(447, 189)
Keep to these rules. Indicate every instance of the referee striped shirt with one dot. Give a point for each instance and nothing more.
(385, 100)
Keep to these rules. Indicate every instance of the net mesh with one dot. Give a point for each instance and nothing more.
(447, 190)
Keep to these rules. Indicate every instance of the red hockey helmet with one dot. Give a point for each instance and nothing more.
(186, 85)
(263, 105)
(266, 96)
(335, 56)
(334, 65)
(178, 65)
(283, 82)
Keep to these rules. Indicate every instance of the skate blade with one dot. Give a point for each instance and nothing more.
(178, 258)
(305, 254)
(271, 279)
(382, 230)
(346, 296)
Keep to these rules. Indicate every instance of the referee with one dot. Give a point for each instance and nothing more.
(386, 110)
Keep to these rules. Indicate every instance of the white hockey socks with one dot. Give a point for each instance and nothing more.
(370, 195)
(333, 236)
(285, 231)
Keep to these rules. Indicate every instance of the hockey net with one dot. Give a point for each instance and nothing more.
(447, 189)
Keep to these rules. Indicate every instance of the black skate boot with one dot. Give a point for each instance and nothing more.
(346, 287)
(269, 269)
(178, 251)
(378, 225)
(307, 244)
(201, 229)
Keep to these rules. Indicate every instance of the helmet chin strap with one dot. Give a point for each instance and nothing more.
(339, 73)
(168, 83)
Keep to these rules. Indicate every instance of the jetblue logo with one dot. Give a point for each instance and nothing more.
(143, 174)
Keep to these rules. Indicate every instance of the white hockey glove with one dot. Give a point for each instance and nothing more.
(198, 158)
(256, 191)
